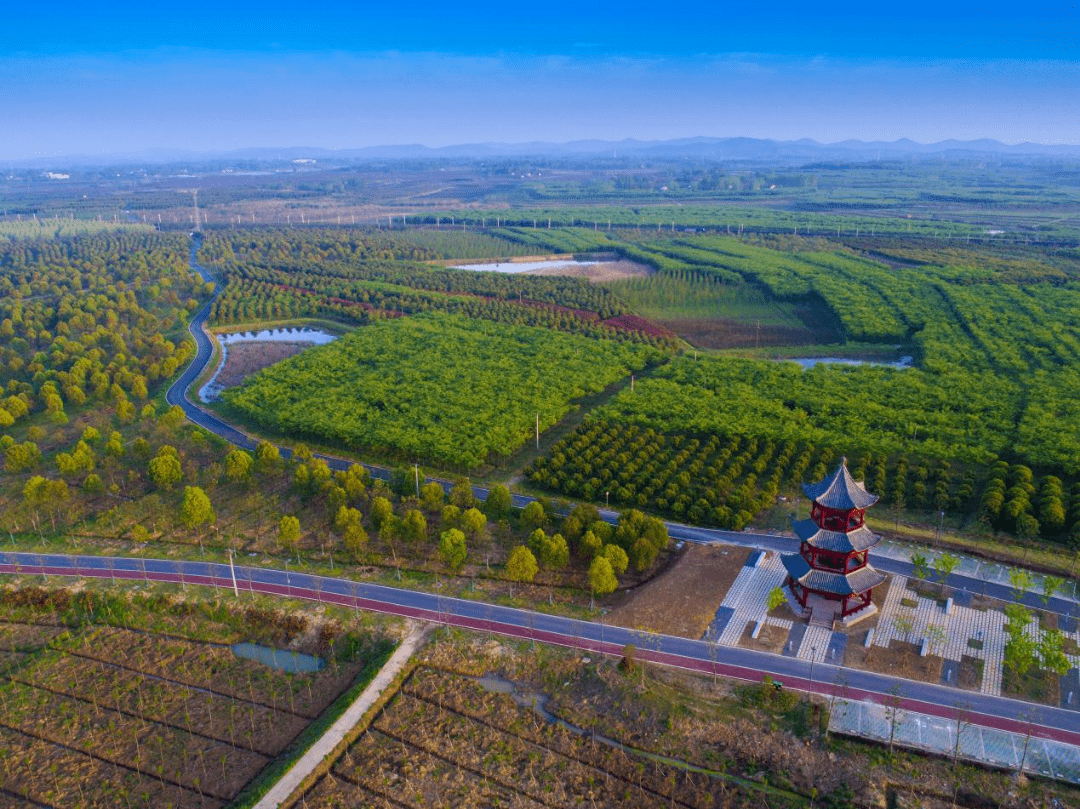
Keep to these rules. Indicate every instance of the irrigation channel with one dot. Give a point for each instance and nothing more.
(999, 713)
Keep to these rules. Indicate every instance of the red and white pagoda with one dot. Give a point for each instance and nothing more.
(830, 576)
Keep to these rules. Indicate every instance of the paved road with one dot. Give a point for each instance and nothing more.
(177, 395)
(592, 637)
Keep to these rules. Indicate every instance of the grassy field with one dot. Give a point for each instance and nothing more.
(667, 299)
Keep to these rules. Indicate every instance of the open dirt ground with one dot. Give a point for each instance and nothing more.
(244, 359)
(901, 659)
(770, 639)
(598, 273)
(684, 600)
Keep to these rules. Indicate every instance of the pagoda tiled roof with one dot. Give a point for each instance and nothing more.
(858, 539)
(840, 491)
(827, 581)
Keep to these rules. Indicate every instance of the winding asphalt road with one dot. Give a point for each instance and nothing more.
(597, 638)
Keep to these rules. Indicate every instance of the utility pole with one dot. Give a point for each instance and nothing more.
(416, 471)
(232, 572)
(538, 431)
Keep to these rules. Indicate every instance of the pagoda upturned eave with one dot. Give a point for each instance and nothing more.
(856, 540)
(827, 581)
(840, 491)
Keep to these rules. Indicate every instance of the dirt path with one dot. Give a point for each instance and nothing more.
(283, 790)
(683, 600)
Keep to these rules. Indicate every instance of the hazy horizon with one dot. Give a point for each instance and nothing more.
(128, 79)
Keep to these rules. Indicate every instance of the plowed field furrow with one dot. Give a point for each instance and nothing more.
(117, 688)
(474, 771)
(341, 789)
(142, 717)
(111, 762)
(584, 762)
(16, 800)
(212, 667)
(422, 775)
(187, 684)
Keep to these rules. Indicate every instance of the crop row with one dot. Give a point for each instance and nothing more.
(216, 668)
(174, 756)
(723, 479)
(82, 320)
(241, 723)
(50, 774)
(445, 740)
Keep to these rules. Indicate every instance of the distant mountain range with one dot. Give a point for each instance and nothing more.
(734, 148)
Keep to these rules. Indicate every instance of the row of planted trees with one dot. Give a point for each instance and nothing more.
(1013, 500)
(726, 480)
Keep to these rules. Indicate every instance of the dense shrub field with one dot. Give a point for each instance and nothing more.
(725, 479)
(435, 387)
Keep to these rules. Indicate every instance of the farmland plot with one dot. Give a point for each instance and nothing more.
(444, 740)
(114, 717)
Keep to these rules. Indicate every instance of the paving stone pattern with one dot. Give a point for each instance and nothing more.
(746, 602)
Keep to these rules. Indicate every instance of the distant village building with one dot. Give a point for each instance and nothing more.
(830, 577)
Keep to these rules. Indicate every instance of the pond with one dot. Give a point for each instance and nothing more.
(304, 334)
(810, 362)
(523, 266)
(282, 659)
(211, 391)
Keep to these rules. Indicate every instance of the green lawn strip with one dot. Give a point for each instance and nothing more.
(273, 771)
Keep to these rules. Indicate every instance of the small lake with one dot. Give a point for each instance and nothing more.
(281, 659)
(211, 391)
(289, 335)
(523, 266)
(810, 362)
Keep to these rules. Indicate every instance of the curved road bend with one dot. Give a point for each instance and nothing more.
(746, 664)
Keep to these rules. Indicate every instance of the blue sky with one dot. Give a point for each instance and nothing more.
(124, 77)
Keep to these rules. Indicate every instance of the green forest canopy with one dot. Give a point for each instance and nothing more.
(435, 387)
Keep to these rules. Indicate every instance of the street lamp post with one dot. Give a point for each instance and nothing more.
(813, 657)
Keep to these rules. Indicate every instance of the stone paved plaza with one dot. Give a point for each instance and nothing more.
(905, 616)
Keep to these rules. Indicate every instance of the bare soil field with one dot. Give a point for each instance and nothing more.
(446, 740)
(102, 716)
(726, 333)
(244, 359)
(683, 600)
(598, 273)
(770, 639)
(900, 659)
